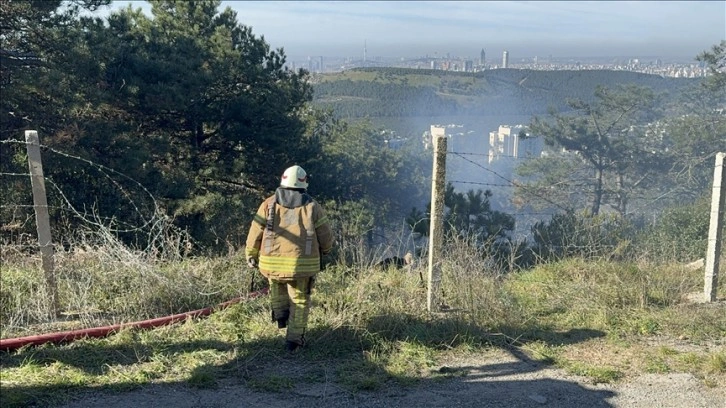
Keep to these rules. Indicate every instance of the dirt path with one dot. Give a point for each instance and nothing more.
(500, 380)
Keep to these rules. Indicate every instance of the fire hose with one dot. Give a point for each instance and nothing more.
(96, 332)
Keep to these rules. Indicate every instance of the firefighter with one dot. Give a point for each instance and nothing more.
(288, 236)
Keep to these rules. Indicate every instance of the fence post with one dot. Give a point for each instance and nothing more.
(713, 252)
(42, 220)
(438, 188)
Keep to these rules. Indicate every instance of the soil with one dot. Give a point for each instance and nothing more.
(495, 379)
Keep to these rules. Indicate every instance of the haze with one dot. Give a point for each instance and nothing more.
(410, 29)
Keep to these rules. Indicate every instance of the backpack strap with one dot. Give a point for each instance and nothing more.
(271, 214)
(269, 234)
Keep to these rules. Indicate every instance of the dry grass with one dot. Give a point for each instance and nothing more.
(604, 320)
(99, 285)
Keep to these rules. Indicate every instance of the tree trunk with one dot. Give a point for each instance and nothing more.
(597, 199)
(622, 195)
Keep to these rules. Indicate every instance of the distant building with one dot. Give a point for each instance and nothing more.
(437, 130)
(507, 142)
(468, 66)
(482, 57)
(429, 136)
(505, 59)
(365, 51)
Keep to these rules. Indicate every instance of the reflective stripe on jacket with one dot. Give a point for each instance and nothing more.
(299, 234)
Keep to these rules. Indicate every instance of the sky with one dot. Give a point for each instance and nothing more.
(410, 29)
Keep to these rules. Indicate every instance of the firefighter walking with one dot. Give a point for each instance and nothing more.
(288, 236)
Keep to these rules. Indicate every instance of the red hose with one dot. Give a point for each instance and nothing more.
(68, 336)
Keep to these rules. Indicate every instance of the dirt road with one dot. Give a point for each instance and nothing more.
(500, 380)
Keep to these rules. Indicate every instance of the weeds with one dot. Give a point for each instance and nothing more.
(95, 290)
(368, 326)
(595, 374)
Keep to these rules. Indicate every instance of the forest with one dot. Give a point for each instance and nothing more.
(185, 120)
(376, 92)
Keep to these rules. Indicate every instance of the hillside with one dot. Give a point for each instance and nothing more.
(566, 334)
(397, 92)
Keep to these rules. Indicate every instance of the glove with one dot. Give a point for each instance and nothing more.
(325, 260)
(252, 262)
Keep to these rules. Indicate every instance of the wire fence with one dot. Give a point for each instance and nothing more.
(143, 217)
(112, 176)
(148, 217)
(132, 283)
(645, 205)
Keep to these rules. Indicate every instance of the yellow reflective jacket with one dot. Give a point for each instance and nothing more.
(288, 234)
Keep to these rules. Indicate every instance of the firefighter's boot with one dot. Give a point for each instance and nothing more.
(293, 346)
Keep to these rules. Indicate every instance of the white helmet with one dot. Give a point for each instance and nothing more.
(294, 177)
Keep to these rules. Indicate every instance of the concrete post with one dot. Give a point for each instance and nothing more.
(42, 220)
(438, 189)
(713, 252)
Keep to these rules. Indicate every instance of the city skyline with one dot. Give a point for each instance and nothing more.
(524, 29)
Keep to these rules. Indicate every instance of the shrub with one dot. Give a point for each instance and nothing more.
(679, 234)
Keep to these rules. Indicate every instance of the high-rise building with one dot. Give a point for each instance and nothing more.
(482, 57)
(438, 131)
(321, 64)
(365, 51)
(468, 66)
(505, 59)
(508, 142)
(434, 132)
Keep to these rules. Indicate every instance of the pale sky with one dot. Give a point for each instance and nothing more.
(463, 28)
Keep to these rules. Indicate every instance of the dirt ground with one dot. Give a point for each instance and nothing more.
(498, 379)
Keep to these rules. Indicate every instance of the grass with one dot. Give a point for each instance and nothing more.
(96, 288)
(369, 328)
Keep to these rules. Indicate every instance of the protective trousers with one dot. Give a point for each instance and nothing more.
(291, 298)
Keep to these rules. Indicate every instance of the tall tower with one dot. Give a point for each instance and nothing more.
(482, 57)
(321, 64)
(505, 59)
(365, 51)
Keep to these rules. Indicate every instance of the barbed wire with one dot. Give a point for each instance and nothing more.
(514, 184)
(60, 208)
(494, 155)
(524, 187)
(636, 208)
(531, 213)
(104, 170)
(30, 206)
(15, 174)
(481, 184)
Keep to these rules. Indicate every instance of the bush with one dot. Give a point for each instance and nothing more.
(570, 235)
(680, 234)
